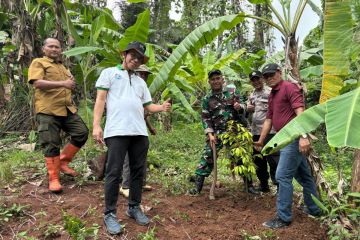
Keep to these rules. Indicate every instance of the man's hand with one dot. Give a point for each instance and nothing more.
(250, 107)
(304, 145)
(258, 146)
(98, 135)
(237, 106)
(152, 131)
(212, 140)
(166, 106)
(70, 83)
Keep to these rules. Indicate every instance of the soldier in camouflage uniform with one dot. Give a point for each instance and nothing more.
(218, 108)
(257, 104)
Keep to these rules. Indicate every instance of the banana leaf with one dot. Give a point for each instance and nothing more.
(338, 23)
(80, 50)
(176, 92)
(198, 38)
(343, 120)
(341, 115)
(96, 28)
(137, 32)
(228, 59)
(311, 71)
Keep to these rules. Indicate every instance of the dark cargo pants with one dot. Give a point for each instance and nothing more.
(49, 128)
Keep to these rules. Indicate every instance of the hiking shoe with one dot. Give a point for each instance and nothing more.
(306, 210)
(193, 192)
(263, 189)
(125, 192)
(147, 188)
(137, 214)
(251, 190)
(276, 223)
(112, 224)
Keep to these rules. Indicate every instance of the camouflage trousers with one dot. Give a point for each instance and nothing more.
(206, 164)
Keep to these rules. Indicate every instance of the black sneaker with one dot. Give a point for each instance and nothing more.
(276, 223)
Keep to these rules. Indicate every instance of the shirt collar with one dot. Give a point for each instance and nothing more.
(52, 60)
(278, 86)
(217, 93)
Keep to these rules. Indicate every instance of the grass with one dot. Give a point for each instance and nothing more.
(14, 161)
(174, 156)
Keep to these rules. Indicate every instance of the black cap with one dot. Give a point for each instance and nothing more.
(214, 72)
(139, 47)
(271, 68)
(254, 74)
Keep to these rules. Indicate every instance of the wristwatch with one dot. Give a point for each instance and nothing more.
(304, 135)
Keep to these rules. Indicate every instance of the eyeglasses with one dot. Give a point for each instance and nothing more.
(269, 75)
(136, 55)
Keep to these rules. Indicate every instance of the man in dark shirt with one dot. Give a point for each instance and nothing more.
(285, 103)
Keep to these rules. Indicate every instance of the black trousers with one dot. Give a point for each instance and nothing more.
(137, 147)
(261, 163)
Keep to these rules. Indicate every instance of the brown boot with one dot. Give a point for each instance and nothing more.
(53, 168)
(66, 156)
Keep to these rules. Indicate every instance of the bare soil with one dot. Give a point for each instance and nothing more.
(233, 215)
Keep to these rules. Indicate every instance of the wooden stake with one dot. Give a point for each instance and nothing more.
(212, 189)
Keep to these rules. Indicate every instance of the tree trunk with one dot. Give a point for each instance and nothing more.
(58, 23)
(259, 27)
(293, 57)
(2, 95)
(222, 13)
(355, 182)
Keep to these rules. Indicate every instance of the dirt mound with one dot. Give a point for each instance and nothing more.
(233, 215)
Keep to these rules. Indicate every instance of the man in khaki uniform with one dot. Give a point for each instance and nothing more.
(257, 104)
(55, 111)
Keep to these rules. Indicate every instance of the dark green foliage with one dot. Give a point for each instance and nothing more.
(130, 11)
(313, 39)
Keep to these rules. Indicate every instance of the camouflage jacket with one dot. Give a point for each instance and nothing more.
(218, 109)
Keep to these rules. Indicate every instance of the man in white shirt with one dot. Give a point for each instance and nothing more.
(126, 95)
